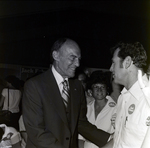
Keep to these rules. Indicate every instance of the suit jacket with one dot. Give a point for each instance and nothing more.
(45, 117)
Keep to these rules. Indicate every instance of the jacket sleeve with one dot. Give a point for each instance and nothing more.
(88, 130)
(33, 119)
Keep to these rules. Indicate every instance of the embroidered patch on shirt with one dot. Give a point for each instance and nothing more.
(131, 108)
(112, 104)
(148, 121)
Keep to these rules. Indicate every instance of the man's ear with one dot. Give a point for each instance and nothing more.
(55, 55)
(127, 62)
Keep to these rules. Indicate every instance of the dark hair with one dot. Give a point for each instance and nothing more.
(136, 51)
(95, 74)
(56, 46)
(98, 77)
(15, 82)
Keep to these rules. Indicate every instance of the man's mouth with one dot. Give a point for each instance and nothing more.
(73, 69)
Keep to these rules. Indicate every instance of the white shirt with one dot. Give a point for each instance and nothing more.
(14, 99)
(10, 137)
(103, 120)
(59, 79)
(133, 118)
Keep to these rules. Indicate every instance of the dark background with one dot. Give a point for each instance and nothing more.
(29, 28)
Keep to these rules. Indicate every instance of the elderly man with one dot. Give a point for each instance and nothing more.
(54, 106)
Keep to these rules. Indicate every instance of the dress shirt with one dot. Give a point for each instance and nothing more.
(133, 118)
(59, 79)
(103, 120)
(14, 99)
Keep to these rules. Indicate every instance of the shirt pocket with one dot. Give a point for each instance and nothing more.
(133, 134)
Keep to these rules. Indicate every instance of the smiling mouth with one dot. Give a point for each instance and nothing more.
(99, 94)
(73, 69)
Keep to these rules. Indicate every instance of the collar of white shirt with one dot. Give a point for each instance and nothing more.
(58, 77)
(135, 90)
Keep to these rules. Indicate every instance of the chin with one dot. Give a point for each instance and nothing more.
(117, 81)
(71, 75)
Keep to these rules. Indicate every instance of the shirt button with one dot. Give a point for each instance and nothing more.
(67, 138)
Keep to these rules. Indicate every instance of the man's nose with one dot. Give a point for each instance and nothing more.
(111, 67)
(77, 62)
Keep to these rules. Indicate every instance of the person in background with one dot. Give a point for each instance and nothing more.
(3, 84)
(100, 110)
(54, 105)
(87, 71)
(9, 137)
(148, 70)
(92, 75)
(81, 76)
(133, 112)
(13, 94)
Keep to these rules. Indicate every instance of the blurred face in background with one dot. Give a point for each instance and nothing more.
(99, 91)
(148, 70)
(82, 78)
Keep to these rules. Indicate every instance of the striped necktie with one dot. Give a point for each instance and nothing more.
(65, 92)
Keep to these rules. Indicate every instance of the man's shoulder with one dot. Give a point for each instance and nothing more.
(75, 81)
(41, 77)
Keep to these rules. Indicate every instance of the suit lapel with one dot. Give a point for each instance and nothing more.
(55, 96)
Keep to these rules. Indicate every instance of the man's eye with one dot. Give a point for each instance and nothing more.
(72, 57)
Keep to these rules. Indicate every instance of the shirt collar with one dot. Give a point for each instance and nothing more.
(58, 77)
(135, 90)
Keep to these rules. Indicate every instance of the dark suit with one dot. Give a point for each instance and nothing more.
(45, 116)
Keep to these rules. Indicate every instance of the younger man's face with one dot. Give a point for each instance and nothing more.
(116, 68)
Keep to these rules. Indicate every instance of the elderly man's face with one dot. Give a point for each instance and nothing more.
(68, 59)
